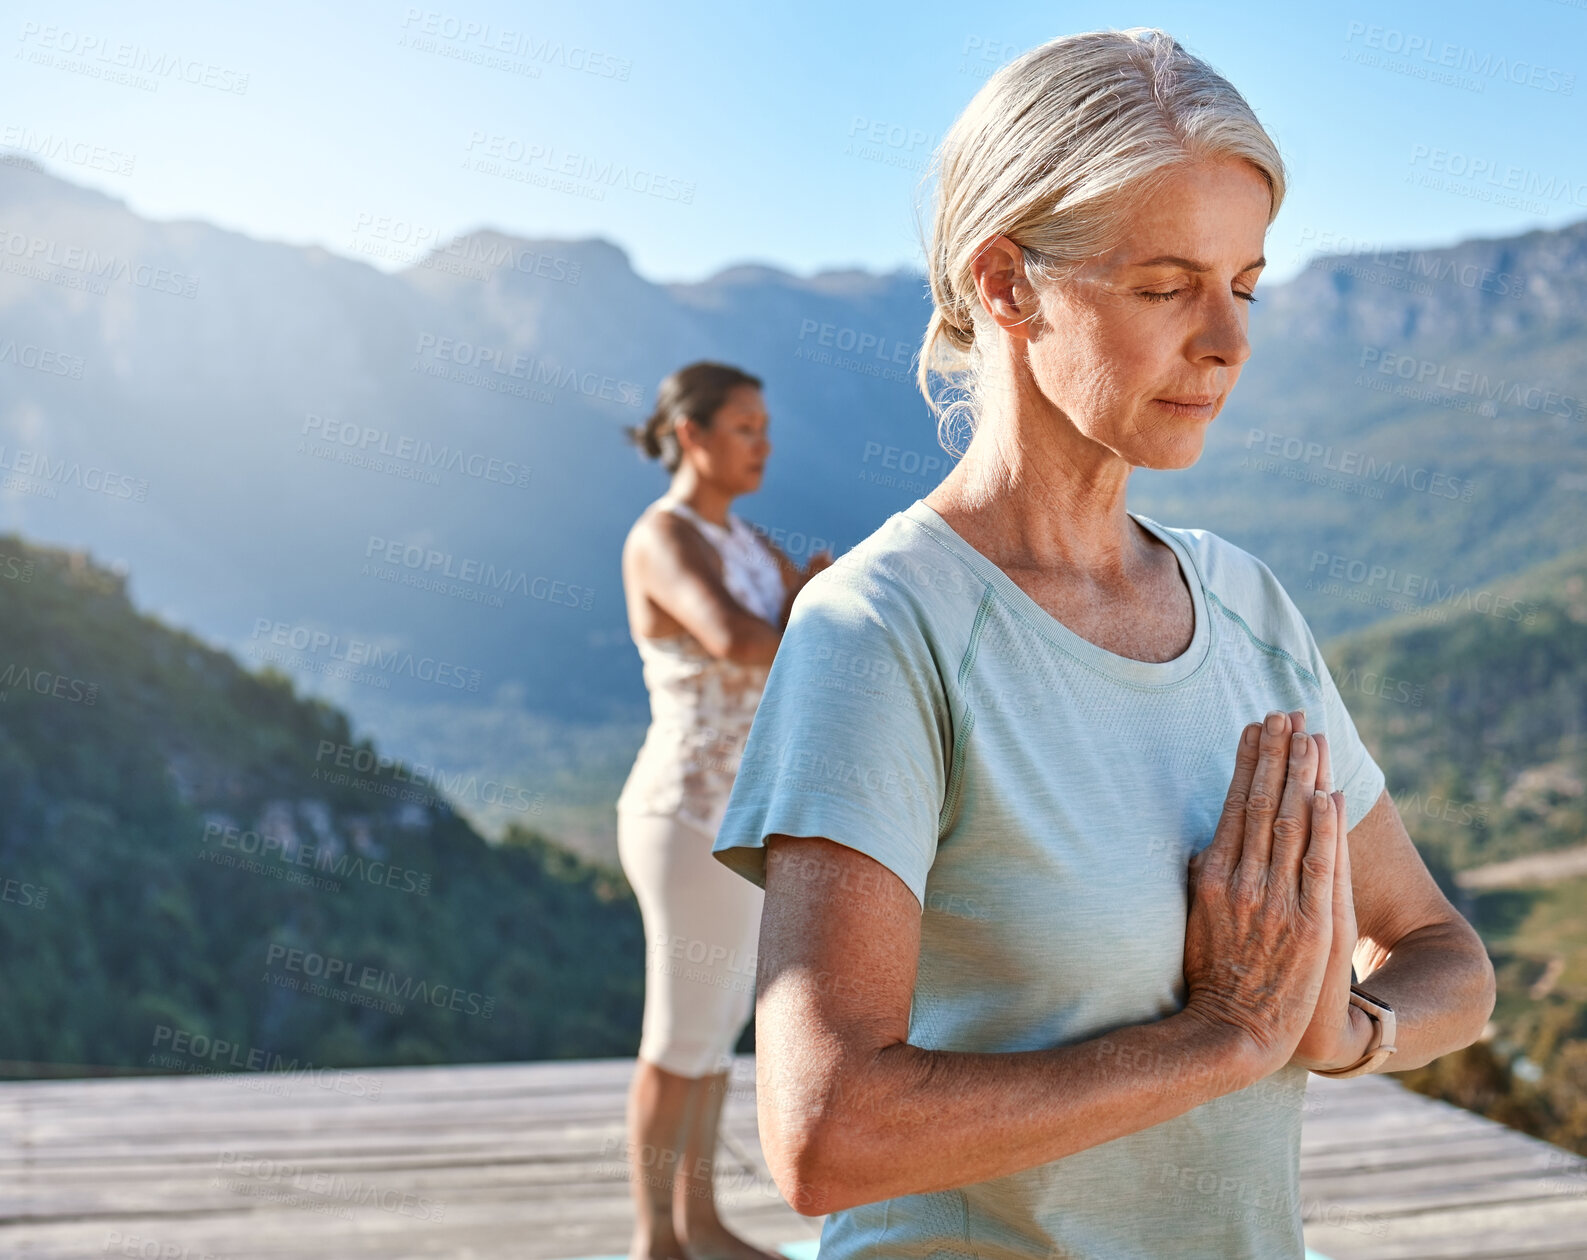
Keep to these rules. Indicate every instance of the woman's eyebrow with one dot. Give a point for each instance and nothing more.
(1190, 264)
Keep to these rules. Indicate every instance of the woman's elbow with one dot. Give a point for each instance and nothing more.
(1490, 988)
(1486, 983)
(1478, 985)
(803, 1163)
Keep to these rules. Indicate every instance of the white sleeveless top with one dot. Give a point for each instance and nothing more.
(701, 706)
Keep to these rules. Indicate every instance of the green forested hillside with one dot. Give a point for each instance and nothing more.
(1479, 725)
(192, 857)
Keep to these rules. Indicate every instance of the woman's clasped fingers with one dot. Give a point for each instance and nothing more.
(1224, 848)
(1292, 828)
(1263, 805)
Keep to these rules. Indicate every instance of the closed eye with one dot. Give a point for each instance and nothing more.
(1173, 293)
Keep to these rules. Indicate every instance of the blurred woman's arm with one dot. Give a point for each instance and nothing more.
(793, 577)
(681, 573)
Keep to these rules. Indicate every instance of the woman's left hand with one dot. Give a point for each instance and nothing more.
(1338, 1032)
(820, 560)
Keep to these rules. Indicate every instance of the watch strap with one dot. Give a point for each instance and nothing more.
(1381, 1045)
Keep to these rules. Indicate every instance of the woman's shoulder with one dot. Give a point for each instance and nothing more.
(901, 570)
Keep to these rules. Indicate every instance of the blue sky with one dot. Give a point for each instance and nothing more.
(793, 135)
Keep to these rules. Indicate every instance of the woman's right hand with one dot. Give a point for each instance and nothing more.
(1260, 922)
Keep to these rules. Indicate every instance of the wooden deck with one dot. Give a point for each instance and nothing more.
(527, 1161)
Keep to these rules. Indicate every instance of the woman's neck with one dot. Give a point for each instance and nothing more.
(707, 500)
(1035, 494)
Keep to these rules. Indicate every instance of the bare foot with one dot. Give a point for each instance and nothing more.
(714, 1241)
(659, 1245)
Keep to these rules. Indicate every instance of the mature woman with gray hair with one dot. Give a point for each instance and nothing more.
(1055, 921)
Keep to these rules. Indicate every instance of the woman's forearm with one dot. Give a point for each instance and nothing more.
(1440, 983)
(754, 641)
(911, 1121)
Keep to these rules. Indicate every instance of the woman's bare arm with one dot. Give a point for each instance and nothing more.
(682, 573)
(851, 1113)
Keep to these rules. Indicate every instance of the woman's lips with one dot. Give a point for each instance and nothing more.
(1196, 408)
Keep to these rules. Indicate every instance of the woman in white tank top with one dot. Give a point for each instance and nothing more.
(707, 602)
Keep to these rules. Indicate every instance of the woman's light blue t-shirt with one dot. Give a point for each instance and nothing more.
(1041, 797)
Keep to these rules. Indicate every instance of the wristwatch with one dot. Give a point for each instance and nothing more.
(1381, 1046)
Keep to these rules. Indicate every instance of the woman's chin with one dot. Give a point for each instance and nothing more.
(1166, 457)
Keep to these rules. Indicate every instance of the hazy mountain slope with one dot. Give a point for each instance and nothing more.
(226, 395)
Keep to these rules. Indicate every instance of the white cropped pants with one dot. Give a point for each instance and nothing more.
(702, 928)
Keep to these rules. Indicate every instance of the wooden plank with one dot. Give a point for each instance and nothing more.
(527, 1160)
